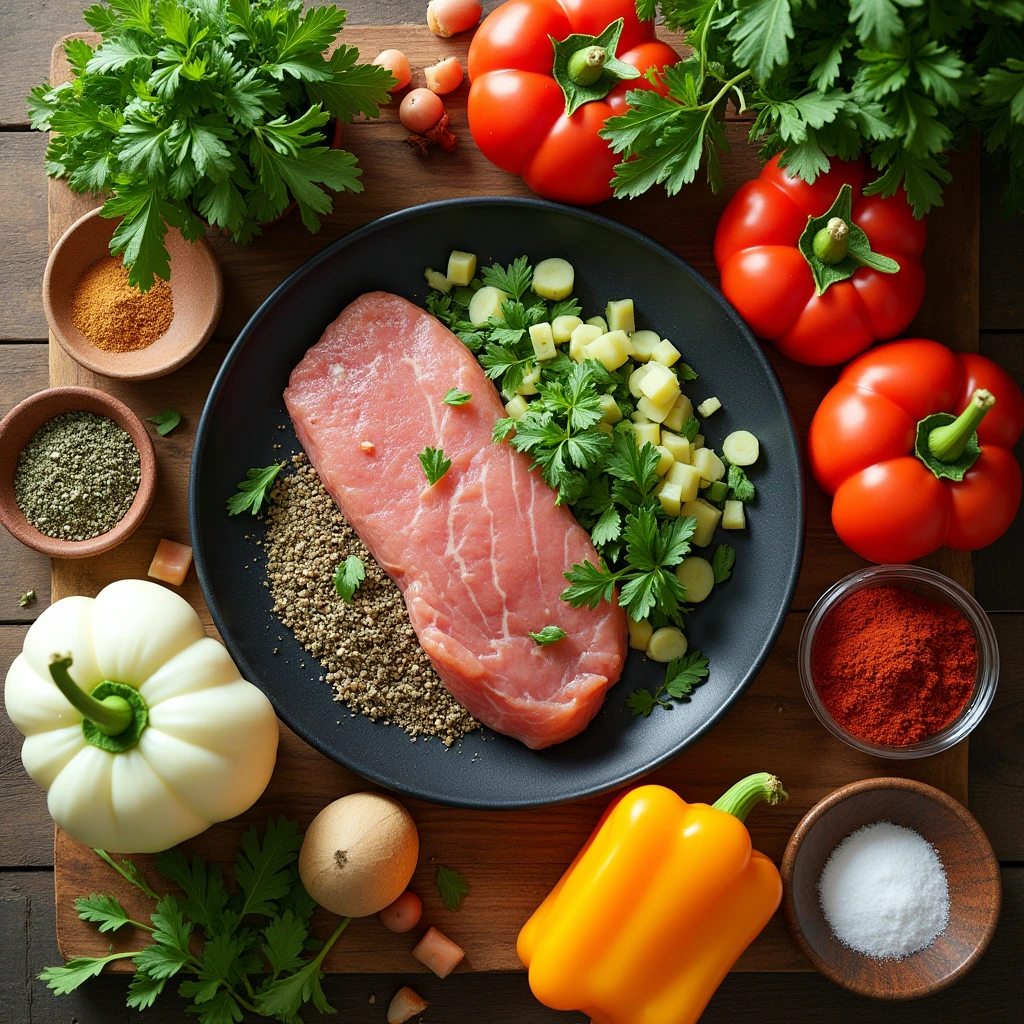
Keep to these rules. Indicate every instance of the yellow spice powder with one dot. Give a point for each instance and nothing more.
(114, 315)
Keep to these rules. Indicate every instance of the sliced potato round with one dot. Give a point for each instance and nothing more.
(741, 448)
(666, 644)
(695, 573)
(487, 302)
(553, 278)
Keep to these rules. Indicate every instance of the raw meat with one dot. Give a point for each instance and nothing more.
(480, 555)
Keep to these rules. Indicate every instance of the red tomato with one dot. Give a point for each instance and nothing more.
(517, 110)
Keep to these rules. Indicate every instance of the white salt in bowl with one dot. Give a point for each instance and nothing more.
(972, 875)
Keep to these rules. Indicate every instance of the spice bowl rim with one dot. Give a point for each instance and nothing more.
(131, 365)
(832, 970)
(38, 409)
(986, 680)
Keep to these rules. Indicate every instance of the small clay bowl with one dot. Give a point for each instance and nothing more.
(197, 289)
(17, 428)
(972, 872)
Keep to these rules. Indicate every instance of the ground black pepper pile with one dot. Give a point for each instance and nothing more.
(77, 476)
(368, 647)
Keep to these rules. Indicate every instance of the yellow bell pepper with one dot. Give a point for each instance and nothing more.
(655, 909)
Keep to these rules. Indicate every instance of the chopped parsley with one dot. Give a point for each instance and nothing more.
(549, 635)
(348, 576)
(453, 396)
(682, 677)
(165, 421)
(722, 562)
(434, 464)
(452, 886)
(254, 490)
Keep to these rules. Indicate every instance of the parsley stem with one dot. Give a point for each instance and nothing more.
(344, 923)
(244, 1003)
(724, 91)
(741, 798)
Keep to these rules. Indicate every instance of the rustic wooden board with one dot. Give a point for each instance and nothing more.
(511, 859)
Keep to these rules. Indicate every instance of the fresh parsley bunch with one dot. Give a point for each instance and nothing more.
(209, 109)
(254, 941)
(903, 81)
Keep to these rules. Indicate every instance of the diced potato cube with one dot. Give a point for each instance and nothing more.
(666, 644)
(678, 446)
(734, 518)
(599, 321)
(639, 633)
(666, 460)
(655, 413)
(437, 281)
(461, 267)
(516, 408)
(695, 573)
(487, 302)
(638, 417)
(553, 279)
(647, 432)
(698, 442)
(562, 328)
(634, 381)
(436, 951)
(709, 465)
(529, 385)
(611, 350)
(580, 338)
(619, 314)
(707, 517)
(543, 341)
(610, 411)
(605, 427)
(682, 410)
(170, 562)
(666, 353)
(741, 448)
(708, 406)
(668, 493)
(660, 385)
(688, 478)
(644, 343)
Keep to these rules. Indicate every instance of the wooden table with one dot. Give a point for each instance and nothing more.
(26, 903)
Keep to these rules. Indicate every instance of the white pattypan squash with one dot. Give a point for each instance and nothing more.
(161, 737)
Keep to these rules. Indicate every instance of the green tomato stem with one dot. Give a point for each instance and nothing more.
(741, 798)
(111, 716)
(947, 443)
(586, 65)
(831, 242)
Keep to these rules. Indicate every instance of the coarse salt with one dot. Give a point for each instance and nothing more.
(883, 891)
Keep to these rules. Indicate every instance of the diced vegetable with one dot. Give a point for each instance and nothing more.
(553, 279)
(580, 338)
(670, 495)
(638, 417)
(543, 341)
(436, 951)
(487, 302)
(666, 460)
(682, 410)
(530, 381)
(710, 465)
(436, 280)
(634, 381)
(461, 267)
(718, 491)
(734, 518)
(708, 406)
(606, 428)
(420, 111)
(599, 321)
(666, 644)
(688, 479)
(448, 17)
(666, 353)
(611, 350)
(660, 385)
(170, 562)
(639, 633)
(404, 914)
(562, 328)
(647, 432)
(445, 76)
(695, 573)
(707, 517)
(698, 442)
(644, 343)
(678, 446)
(620, 317)
(610, 411)
(405, 1005)
(655, 413)
(741, 448)
(516, 408)
(398, 64)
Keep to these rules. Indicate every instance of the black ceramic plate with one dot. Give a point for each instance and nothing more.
(735, 627)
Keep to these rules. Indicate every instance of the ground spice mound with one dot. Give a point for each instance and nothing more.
(892, 667)
(114, 315)
(368, 647)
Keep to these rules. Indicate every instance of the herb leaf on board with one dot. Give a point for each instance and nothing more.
(452, 886)
(165, 421)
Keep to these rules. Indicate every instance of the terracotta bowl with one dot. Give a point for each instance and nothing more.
(971, 869)
(17, 428)
(197, 288)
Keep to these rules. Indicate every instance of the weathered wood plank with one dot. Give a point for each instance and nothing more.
(1002, 257)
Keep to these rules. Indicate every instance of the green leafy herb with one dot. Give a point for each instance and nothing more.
(513, 280)
(684, 371)
(740, 487)
(682, 676)
(210, 110)
(722, 562)
(434, 464)
(452, 886)
(27, 598)
(128, 871)
(549, 635)
(453, 396)
(348, 576)
(254, 490)
(502, 429)
(104, 911)
(165, 421)
(690, 429)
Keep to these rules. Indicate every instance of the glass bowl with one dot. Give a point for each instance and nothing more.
(936, 587)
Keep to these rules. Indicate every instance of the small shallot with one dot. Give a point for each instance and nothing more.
(445, 76)
(404, 914)
(448, 17)
(420, 111)
(398, 64)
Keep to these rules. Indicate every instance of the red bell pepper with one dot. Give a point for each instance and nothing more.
(907, 475)
(546, 75)
(821, 270)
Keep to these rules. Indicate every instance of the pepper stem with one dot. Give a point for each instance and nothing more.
(586, 65)
(831, 243)
(947, 443)
(111, 716)
(741, 798)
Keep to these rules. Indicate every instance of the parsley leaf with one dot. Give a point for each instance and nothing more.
(261, 869)
(434, 464)
(67, 978)
(513, 280)
(348, 576)
(643, 702)
(165, 421)
(502, 429)
(453, 396)
(129, 871)
(684, 674)
(722, 562)
(451, 885)
(104, 911)
(589, 585)
(549, 635)
(740, 487)
(254, 490)
(690, 429)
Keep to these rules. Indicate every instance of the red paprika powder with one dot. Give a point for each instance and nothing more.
(892, 667)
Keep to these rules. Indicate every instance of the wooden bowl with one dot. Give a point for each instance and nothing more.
(971, 869)
(197, 289)
(17, 428)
